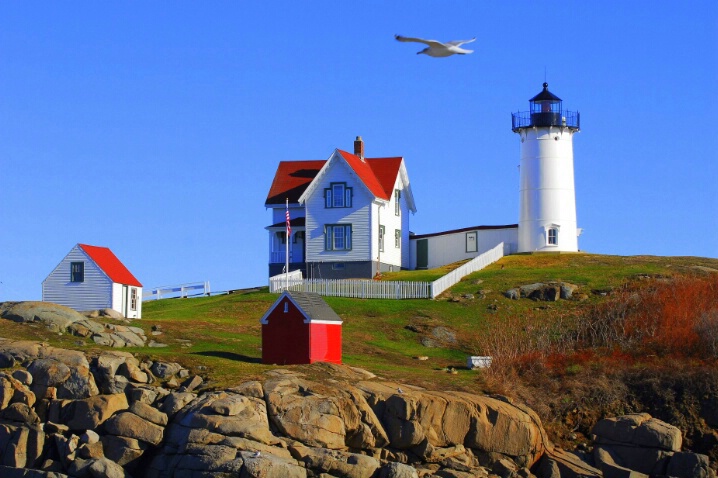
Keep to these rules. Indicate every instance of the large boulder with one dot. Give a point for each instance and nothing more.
(127, 424)
(230, 415)
(445, 419)
(56, 317)
(640, 430)
(319, 415)
(643, 444)
(89, 413)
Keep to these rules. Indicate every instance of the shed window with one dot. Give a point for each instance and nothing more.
(286, 307)
(77, 272)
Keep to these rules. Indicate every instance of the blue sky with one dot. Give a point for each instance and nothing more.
(154, 128)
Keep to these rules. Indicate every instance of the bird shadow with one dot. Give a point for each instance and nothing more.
(229, 356)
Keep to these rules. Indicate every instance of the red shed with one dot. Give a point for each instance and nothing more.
(301, 328)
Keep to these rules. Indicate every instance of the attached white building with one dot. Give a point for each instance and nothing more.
(349, 215)
(92, 277)
(429, 251)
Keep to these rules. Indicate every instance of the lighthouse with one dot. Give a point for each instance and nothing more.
(547, 202)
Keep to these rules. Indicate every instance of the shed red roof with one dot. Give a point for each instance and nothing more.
(293, 177)
(110, 265)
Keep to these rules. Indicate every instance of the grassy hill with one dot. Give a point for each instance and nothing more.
(222, 333)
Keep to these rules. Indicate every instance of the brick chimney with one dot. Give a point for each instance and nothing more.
(359, 148)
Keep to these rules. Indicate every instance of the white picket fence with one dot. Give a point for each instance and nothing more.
(365, 289)
(475, 264)
(372, 289)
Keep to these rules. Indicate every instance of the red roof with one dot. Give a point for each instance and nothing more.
(110, 265)
(378, 174)
(293, 177)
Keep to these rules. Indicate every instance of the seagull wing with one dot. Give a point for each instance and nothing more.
(460, 42)
(433, 43)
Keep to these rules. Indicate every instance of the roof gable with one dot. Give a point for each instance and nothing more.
(292, 179)
(311, 305)
(110, 265)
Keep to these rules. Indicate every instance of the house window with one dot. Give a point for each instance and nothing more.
(338, 237)
(337, 195)
(282, 237)
(286, 306)
(397, 202)
(553, 236)
(382, 230)
(77, 272)
(471, 245)
(397, 238)
(298, 235)
(133, 299)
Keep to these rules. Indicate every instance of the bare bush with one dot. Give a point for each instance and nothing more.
(707, 330)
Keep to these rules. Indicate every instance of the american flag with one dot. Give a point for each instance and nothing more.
(289, 227)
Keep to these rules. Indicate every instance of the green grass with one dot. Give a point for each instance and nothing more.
(224, 333)
(225, 330)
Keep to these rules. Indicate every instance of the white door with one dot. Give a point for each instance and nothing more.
(124, 301)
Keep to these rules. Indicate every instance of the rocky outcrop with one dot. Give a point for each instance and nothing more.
(645, 445)
(351, 425)
(549, 291)
(61, 319)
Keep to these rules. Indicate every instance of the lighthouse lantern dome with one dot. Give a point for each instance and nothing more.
(546, 110)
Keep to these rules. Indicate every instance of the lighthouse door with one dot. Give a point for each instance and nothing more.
(422, 254)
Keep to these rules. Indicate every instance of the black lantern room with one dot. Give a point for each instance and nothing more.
(546, 110)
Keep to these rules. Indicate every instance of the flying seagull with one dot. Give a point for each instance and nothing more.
(438, 49)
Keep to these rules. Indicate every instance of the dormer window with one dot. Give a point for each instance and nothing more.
(337, 195)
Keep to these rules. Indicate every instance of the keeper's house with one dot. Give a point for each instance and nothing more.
(91, 278)
(300, 328)
(349, 215)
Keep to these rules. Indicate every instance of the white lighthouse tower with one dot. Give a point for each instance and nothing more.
(547, 203)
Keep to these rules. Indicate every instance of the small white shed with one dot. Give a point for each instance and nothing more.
(92, 277)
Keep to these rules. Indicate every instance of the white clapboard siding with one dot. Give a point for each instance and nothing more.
(449, 247)
(476, 264)
(357, 215)
(391, 222)
(94, 293)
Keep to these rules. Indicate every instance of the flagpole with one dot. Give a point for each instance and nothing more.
(286, 253)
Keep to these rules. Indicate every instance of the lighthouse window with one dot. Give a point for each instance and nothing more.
(553, 236)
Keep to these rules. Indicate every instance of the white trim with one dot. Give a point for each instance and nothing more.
(327, 322)
(407, 187)
(322, 172)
